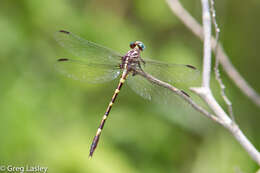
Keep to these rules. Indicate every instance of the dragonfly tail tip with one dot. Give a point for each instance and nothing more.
(90, 157)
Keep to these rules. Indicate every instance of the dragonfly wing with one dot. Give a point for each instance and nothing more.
(85, 50)
(89, 72)
(172, 105)
(151, 91)
(171, 73)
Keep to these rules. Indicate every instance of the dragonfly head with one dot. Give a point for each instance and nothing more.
(139, 44)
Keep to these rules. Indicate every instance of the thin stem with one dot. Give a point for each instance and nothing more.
(231, 71)
(216, 68)
(227, 123)
(204, 91)
(207, 44)
(245, 143)
(207, 96)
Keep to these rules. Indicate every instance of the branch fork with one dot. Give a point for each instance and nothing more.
(204, 33)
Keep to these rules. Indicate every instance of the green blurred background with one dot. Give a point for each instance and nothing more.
(50, 120)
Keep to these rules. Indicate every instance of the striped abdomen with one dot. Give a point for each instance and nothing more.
(101, 126)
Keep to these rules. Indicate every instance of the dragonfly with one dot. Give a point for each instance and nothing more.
(94, 63)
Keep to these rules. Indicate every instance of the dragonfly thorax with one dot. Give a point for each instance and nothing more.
(131, 60)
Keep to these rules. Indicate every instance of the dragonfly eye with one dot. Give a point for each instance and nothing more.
(141, 46)
(132, 45)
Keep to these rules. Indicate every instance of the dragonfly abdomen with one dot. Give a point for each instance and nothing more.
(101, 126)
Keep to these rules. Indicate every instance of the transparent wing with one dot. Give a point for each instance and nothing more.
(86, 51)
(152, 91)
(172, 106)
(170, 73)
(89, 72)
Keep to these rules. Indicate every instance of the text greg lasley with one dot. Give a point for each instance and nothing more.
(37, 168)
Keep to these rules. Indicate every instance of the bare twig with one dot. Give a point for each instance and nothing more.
(244, 142)
(204, 91)
(228, 123)
(232, 127)
(213, 15)
(196, 28)
(216, 68)
(207, 44)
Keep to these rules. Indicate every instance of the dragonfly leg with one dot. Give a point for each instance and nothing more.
(134, 71)
(139, 65)
(142, 60)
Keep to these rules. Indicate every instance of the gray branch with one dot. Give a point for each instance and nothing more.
(226, 122)
(231, 71)
(204, 91)
(216, 68)
(207, 44)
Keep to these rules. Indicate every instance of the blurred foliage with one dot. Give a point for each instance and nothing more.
(49, 120)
